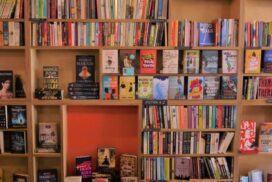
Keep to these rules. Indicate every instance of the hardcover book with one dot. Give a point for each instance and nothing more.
(209, 61)
(85, 68)
(160, 87)
(106, 157)
(6, 84)
(110, 87)
(14, 141)
(17, 116)
(145, 87)
(265, 137)
(18, 177)
(51, 77)
(211, 87)
(110, 61)
(128, 165)
(3, 117)
(195, 88)
(45, 175)
(48, 137)
(267, 61)
(253, 61)
(176, 88)
(148, 61)
(248, 137)
(127, 62)
(206, 34)
(84, 168)
(182, 167)
(127, 87)
(265, 88)
(229, 61)
(170, 61)
(191, 61)
(229, 87)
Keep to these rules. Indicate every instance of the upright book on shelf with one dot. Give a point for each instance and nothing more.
(176, 88)
(3, 117)
(127, 62)
(253, 61)
(145, 87)
(267, 61)
(195, 88)
(110, 61)
(48, 137)
(85, 68)
(127, 87)
(209, 61)
(6, 84)
(191, 61)
(170, 61)
(84, 167)
(248, 137)
(17, 116)
(160, 87)
(148, 61)
(51, 77)
(229, 61)
(110, 87)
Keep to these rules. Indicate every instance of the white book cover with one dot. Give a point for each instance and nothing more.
(72, 179)
(170, 61)
(229, 61)
(110, 61)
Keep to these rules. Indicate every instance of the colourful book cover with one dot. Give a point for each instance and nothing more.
(183, 167)
(51, 77)
(248, 137)
(209, 61)
(148, 61)
(195, 88)
(17, 116)
(145, 87)
(110, 61)
(267, 61)
(191, 61)
(127, 62)
(265, 137)
(170, 61)
(84, 167)
(211, 87)
(127, 87)
(85, 68)
(110, 87)
(176, 88)
(106, 157)
(48, 136)
(253, 61)
(229, 87)
(265, 88)
(229, 61)
(206, 34)
(160, 87)
(128, 165)
(6, 86)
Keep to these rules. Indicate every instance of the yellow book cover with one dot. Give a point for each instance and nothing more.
(127, 87)
(253, 61)
(167, 168)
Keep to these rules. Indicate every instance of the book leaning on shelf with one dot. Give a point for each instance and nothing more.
(13, 142)
(13, 9)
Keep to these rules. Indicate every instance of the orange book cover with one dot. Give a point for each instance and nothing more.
(148, 61)
(253, 61)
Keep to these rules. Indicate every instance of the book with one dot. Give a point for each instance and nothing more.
(195, 88)
(209, 61)
(264, 88)
(182, 167)
(253, 61)
(148, 61)
(17, 116)
(206, 34)
(256, 175)
(14, 142)
(3, 117)
(84, 167)
(1, 175)
(2, 147)
(19, 177)
(176, 88)
(110, 61)
(110, 87)
(127, 62)
(127, 87)
(211, 87)
(191, 61)
(229, 61)
(267, 61)
(248, 136)
(51, 77)
(170, 61)
(73, 179)
(160, 87)
(85, 68)
(101, 177)
(129, 179)
(145, 87)
(128, 165)
(106, 157)
(19, 87)
(265, 137)
(6, 87)
(229, 87)
(47, 137)
(45, 175)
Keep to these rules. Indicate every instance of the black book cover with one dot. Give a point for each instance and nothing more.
(84, 167)
(3, 116)
(48, 175)
(19, 88)
(15, 141)
(17, 116)
(85, 68)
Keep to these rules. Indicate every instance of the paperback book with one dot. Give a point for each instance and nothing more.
(170, 61)
(267, 61)
(48, 137)
(264, 87)
(85, 68)
(127, 87)
(45, 175)
(6, 86)
(148, 61)
(128, 165)
(209, 61)
(145, 87)
(17, 116)
(110, 61)
(106, 157)
(195, 88)
(206, 34)
(248, 137)
(176, 88)
(191, 61)
(229, 87)
(110, 87)
(14, 142)
(84, 168)
(160, 87)
(51, 77)
(127, 62)
(211, 87)
(265, 137)
(229, 61)
(253, 61)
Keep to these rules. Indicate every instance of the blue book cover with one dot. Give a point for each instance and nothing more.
(206, 34)
(6, 33)
(209, 61)
(160, 87)
(17, 116)
(160, 8)
(268, 61)
(45, 175)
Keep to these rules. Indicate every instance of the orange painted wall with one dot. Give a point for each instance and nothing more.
(90, 127)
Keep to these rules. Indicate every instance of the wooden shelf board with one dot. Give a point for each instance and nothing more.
(257, 74)
(13, 101)
(211, 180)
(188, 155)
(202, 102)
(47, 154)
(259, 102)
(13, 129)
(194, 130)
(13, 155)
(262, 48)
(12, 47)
(97, 47)
(176, 74)
(215, 48)
(12, 20)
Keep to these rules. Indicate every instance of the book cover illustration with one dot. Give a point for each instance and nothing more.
(170, 61)
(267, 61)
(265, 137)
(15, 141)
(253, 61)
(110, 87)
(84, 167)
(195, 88)
(106, 157)
(18, 177)
(229, 87)
(209, 61)
(6, 84)
(206, 34)
(51, 77)
(191, 61)
(265, 88)
(145, 87)
(176, 88)
(3, 117)
(85, 68)
(127, 62)
(211, 87)
(128, 165)
(127, 87)
(182, 167)
(110, 61)
(160, 87)
(17, 116)
(148, 61)
(229, 61)
(48, 137)
(47, 175)
(248, 137)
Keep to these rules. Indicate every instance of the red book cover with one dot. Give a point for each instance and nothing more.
(148, 61)
(269, 177)
(181, 114)
(54, 9)
(45, 32)
(219, 118)
(69, 33)
(248, 137)
(21, 13)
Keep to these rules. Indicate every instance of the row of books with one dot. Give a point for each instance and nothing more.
(12, 33)
(12, 9)
(172, 87)
(83, 91)
(221, 32)
(23, 177)
(101, 9)
(190, 117)
(13, 116)
(257, 88)
(154, 142)
(161, 168)
(13, 142)
(257, 61)
(99, 34)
